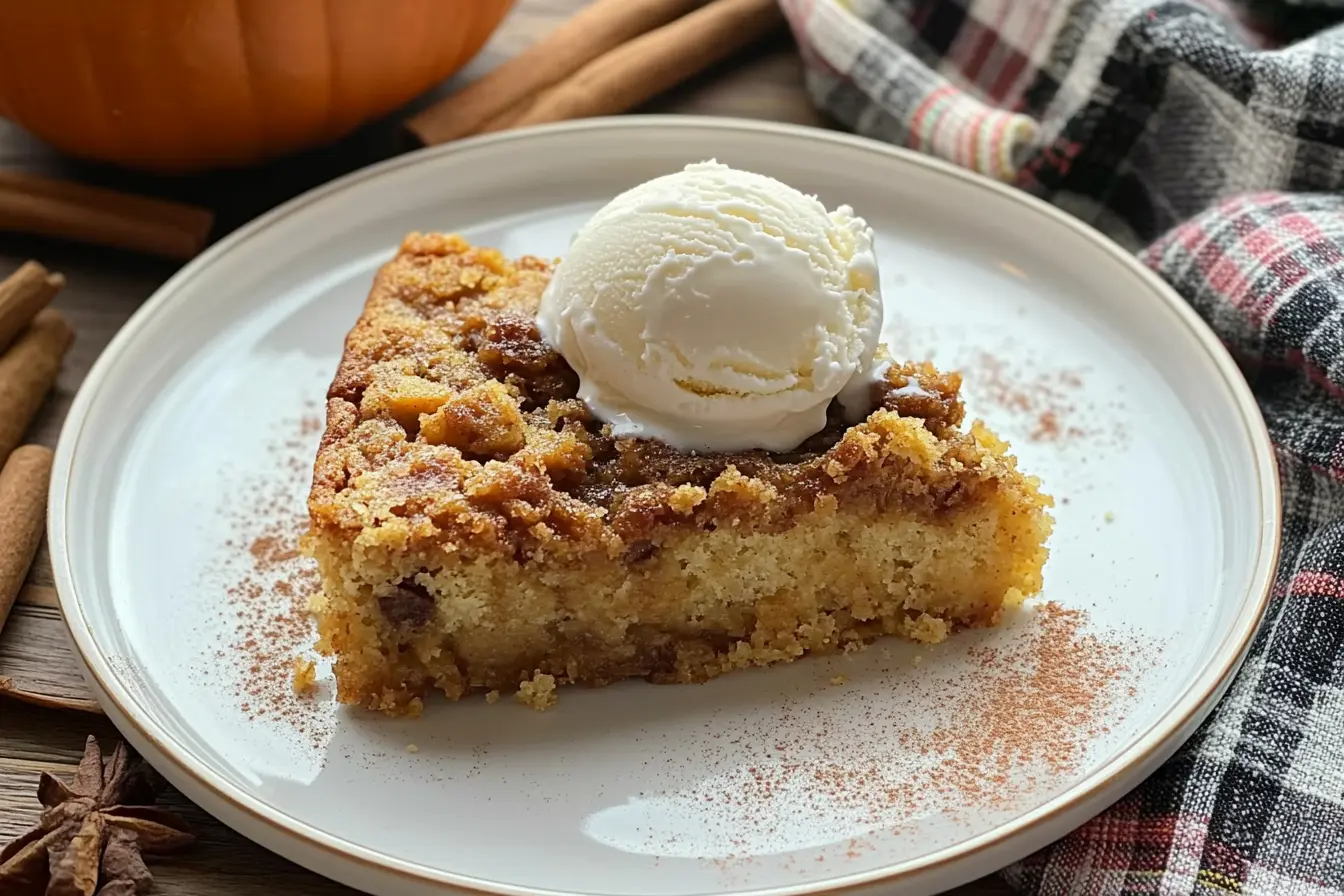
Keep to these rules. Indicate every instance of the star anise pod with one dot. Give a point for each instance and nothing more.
(90, 838)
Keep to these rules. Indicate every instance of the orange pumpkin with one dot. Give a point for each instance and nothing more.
(186, 85)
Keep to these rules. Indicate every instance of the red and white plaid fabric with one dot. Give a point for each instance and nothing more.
(1209, 136)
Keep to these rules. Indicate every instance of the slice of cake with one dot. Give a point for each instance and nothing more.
(478, 528)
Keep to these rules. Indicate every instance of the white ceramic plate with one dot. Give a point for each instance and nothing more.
(924, 766)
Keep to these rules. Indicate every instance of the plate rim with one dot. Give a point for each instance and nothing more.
(1098, 790)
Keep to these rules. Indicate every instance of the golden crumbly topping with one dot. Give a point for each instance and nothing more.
(450, 420)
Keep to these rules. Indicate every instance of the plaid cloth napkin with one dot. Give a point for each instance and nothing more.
(1208, 135)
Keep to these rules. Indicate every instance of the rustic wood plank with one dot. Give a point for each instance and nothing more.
(36, 659)
(105, 287)
(33, 734)
(38, 596)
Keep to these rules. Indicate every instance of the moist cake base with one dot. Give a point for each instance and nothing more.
(477, 530)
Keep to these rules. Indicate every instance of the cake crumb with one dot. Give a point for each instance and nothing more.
(918, 658)
(1110, 517)
(305, 676)
(412, 748)
(492, 697)
(685, 498)
(537, 692)
(838, 680)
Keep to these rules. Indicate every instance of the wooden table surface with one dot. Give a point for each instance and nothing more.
(106, 286)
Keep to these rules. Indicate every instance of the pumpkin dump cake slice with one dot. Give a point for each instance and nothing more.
(479, 529)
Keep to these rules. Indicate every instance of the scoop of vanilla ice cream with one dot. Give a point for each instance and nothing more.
(718, 310)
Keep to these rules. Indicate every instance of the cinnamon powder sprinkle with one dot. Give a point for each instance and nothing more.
(1047, 701)
(1023, 717)
(1048, 398)
(270, 551)
(1031, 398)
(268, 585)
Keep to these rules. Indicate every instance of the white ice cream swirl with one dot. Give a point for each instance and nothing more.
(718, 310)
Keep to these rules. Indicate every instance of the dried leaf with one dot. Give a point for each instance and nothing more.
(124, 871)
(74, 870)
(51, 792)
(156, 830)
(23, 864)
(89, 775)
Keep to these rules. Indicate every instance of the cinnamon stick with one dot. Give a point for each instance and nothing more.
(23, 495)
(27, 372)
(51, 701)
(22, 294)
(653, 63)
(596, 29)
(47, 207)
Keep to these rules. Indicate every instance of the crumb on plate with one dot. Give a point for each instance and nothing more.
(305, 676)
(538, 691)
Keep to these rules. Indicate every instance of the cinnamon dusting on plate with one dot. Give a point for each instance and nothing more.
(1026, 397)
(1049, 400)
(268, 584)
(1022, 719)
